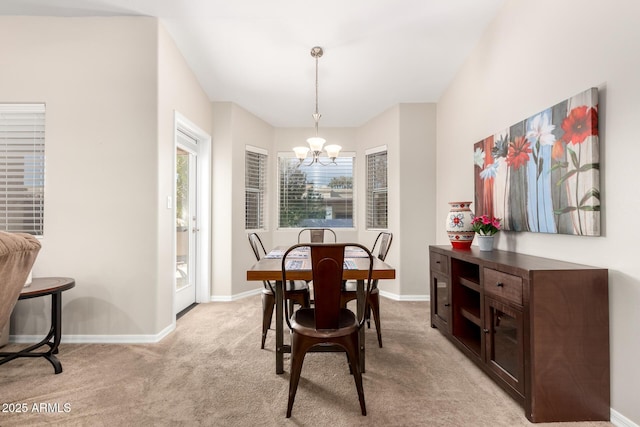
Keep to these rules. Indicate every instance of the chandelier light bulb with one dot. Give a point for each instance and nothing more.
(301, 152)
(316, 143)
(333, 150)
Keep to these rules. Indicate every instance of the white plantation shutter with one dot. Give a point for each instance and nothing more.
(377, 188)
(315, 195)
(255, 183)
(22, 168)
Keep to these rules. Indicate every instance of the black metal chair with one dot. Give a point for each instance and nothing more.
(327, 323)
(382, 243)
(295, 291)
(316, 235)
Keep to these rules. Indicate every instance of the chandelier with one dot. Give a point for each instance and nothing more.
(316, 143)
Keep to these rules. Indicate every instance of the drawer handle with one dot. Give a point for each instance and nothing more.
(486, 331)
(500, 284)
(447, 305)
(437, 262)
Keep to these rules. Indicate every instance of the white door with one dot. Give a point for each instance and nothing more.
(192, 204)
(187, 229)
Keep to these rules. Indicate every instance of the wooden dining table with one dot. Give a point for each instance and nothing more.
(270, 268)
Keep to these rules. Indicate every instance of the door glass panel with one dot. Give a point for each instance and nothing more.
(442, 298)
(505, 341)
(183, 215)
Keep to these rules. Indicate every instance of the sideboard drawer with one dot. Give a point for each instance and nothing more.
(439, 263)
(503, 285)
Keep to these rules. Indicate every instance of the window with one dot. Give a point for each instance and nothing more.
(377, 188)
(22, 168)
(255, 183)
(315, 195)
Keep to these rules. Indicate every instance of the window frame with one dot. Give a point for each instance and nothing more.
(354, 205)
(261, 191)
(371, 214)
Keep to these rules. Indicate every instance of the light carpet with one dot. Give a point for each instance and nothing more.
(211, 372)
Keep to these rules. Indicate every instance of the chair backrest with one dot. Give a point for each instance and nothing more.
(257, 246)
(327, 265)
(260, 252)
(383, 241)
(316, 235)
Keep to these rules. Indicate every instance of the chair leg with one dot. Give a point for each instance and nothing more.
(354, 357)
(298, 351)
(268, 302)
(367, 315)
(374, 302)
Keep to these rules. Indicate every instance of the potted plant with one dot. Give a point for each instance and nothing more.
(485, 227)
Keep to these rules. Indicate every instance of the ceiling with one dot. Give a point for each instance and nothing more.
(256, 53)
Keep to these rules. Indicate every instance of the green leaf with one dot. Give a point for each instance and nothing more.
(592, 192)
(540, 167)
(574, 158)
(559, 165)
(564, 210)
(566, 177)
(589, 166)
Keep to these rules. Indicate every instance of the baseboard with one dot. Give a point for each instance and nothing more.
(397, 297)
(619, 420)
(98, 339)
(235, 297)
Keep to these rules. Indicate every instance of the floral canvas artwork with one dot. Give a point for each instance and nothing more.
(543, 173)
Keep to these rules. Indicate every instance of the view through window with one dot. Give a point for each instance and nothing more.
(315, 195)
(377, 188)
(22, 168)
(255, 183)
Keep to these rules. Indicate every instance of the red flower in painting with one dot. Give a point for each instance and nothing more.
(518, 154)
(579, 124)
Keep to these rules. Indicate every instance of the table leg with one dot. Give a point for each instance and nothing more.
(360, 310)
(54, 332)
(279, 328)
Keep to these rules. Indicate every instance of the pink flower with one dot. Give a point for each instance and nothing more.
(485, 225)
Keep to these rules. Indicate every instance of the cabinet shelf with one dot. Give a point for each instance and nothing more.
(472, 314)
(471, 338)
(469, 283)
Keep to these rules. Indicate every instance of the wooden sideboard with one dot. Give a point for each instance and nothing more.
(538, 327)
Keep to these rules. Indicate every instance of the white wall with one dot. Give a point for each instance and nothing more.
(98, 79)
(234, 128)
(534, 55)
(408, 131)
(247, 130)
(108, 167)
(416, 193)
(383, 129)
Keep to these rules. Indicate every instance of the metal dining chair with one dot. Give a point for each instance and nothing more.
(295, 291)
(316, 235)
(382, 244)
(327, 323)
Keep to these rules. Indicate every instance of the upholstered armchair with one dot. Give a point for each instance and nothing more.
(18, 252)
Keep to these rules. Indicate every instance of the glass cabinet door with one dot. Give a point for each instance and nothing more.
(442, 306)
(504, 345)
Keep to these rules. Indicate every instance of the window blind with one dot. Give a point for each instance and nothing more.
(377, 190)
(315, 195)
(255, 180)
(22, 168)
